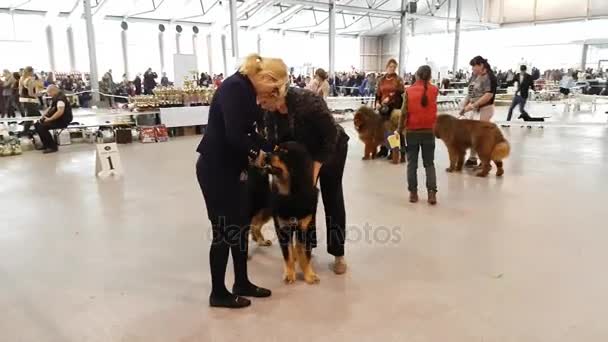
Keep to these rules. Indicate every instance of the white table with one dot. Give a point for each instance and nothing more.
(184, 116)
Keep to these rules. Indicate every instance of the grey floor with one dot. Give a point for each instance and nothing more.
(517, 259)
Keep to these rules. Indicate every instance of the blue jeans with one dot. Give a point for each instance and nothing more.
(421, 141)
(517, 100)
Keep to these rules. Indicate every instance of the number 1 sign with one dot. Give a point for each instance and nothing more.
(108, 161)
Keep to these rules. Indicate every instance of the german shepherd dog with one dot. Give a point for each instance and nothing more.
(484, 137)
(292, 203)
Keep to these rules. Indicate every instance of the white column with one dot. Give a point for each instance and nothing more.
(457, 35)
(234, 30)
(584, 57)
(194, 47)
(209, 54)
(332, 37)
(125, 52)
(178, 48)
(259, 44)
(92, 50)
(50, 45)
(403, 38)
(71, 51)
(447, 21)
(224, 55)
(161, 48)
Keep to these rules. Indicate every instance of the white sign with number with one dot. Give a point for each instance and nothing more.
(108, 161)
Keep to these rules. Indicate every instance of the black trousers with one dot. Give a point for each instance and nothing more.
(330, 179)
(44, 131)
(520, 101)
(227, 208)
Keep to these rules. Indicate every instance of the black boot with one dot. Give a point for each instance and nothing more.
(383, 152)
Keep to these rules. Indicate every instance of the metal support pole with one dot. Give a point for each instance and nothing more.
(125, 53)
(209, 54)
(457, 35)
(332, 37)
(234, 30)
(178, 48)
(92, 51)
(584, 57)
(161, 48)
(71, 52)
(50, 45)
(259, 44)
(403, 38)
(447, 21)
(224, 59)
(194, 47)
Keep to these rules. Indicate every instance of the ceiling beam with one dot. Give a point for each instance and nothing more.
(278, 17)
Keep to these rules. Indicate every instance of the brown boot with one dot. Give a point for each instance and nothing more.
(413, 196)
(395, 156)
(432, 197)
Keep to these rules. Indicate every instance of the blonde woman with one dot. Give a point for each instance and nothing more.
(230, 143)
(27, 96)
(320, 85)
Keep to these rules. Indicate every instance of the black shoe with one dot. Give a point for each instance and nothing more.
(252, 291)
(471, 163)
(383, 152)
(49, 150)
(230, 302)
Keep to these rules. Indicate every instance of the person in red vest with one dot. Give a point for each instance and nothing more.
(418, 116)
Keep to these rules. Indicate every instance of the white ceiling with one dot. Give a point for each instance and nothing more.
(289, 15)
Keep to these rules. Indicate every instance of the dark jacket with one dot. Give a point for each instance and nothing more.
(137, 84)
(67, 116)
(308, 122)
(231, 137)
(523, 89)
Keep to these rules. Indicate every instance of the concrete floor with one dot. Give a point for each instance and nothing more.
(516, 259)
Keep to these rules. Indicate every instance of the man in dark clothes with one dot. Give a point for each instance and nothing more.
(524, 84)
(58, 115)
(149, 81)
(137, 84)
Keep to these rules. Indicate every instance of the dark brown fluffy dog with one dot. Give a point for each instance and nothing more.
(484, 137)
(370, 127)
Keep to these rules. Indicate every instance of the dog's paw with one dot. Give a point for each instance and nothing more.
(289, 277)
(500, 172)
(366, 158)
(311, 278)
(481, 174)
(449, 169)
(264, 243)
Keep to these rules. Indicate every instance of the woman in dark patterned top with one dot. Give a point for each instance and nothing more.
(302, 116)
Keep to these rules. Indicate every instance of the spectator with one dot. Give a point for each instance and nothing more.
(58, 115)
(27, 96)
(319, 85)
(164, 81)
(7, 94)
(149, 81)
(137, 84)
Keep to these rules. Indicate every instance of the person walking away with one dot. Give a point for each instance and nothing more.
(137, 84)
(149, 82)
(524, 84)
(27, 97)
(58, 115)
(319, 85)
(480, 100)
(419, 114)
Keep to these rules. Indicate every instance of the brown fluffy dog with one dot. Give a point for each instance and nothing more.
(370, 127)
(483, 137)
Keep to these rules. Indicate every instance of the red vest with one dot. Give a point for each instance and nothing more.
(419, 117)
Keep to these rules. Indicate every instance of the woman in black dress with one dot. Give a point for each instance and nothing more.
(302, 116)
(230, 144)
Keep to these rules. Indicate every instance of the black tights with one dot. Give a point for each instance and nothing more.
(228, 238)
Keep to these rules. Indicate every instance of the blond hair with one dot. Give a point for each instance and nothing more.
(271, 73)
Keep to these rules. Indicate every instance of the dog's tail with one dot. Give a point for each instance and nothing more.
(501, 151)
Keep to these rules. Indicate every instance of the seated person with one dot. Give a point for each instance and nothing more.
(58, 115)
